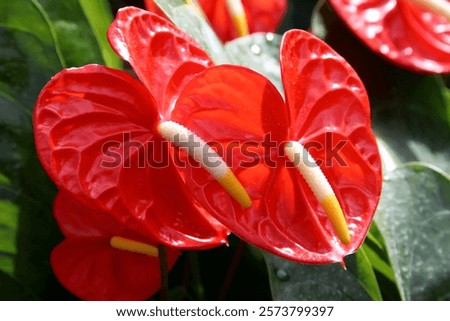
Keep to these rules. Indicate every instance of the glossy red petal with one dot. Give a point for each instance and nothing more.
(163, 57)
(92, 270)
(229, 102)
(322, 90)
(330, 115)
(94, 133)
(407, 35)
(262, 16)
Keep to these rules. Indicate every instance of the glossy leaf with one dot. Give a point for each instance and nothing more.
(98, 14)
(333, 100)
(365, 274)
(259, 52)
(294, 282)
(413, 216)
(414, 123)
(122, 168)
(400, 31)
(22, 76)
(375, 249)
(27, 62)
(189, 19)
(67, 17)
(49, 22)
(28, 16)
(90, 267)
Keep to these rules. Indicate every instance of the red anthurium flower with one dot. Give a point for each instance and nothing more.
(96, 133)
(100, 259)
(234, 18)
(414, 34)
(313, 207)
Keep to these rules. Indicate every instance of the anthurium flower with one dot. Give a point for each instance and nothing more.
(235, 18)
(411, 33)
(101, 259)
(96, 133)
(310, 164)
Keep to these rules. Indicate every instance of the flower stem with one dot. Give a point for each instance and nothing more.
(197, 285)
(238, 254)
(164, 292)
(440, 7)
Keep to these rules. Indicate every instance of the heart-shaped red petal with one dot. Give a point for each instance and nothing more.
(163, 57)
(95, 136)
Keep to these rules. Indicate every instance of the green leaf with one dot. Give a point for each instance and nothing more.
(98, 13)
(11, 289)
(75, 38)
(28, 16)
(363, 271)
(259, 52)
(414, 218)
(37, 39)
(8, 228)
(376, 251)
(3, 179)
(191, 19)
(294, 281)
(26, 64)
(413, 122)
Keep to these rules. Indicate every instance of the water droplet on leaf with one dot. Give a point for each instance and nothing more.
(282, 275)
(256, 49)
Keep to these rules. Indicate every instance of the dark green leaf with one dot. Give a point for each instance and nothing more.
(190, 18)
(11, 289)
(413, 122)
(259, 52)
(28, 16)
(362, 269)
(414, 218)
(375, 250)
(77, 42)
(98, 13)
(37, 39)
(293, 281)
(26, 64)
(8, 228)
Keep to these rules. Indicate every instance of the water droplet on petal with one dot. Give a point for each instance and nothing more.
(407, 51)
(385, 49)
(372, 15)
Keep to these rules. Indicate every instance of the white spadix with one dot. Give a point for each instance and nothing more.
(199, 150)
(320, 187)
